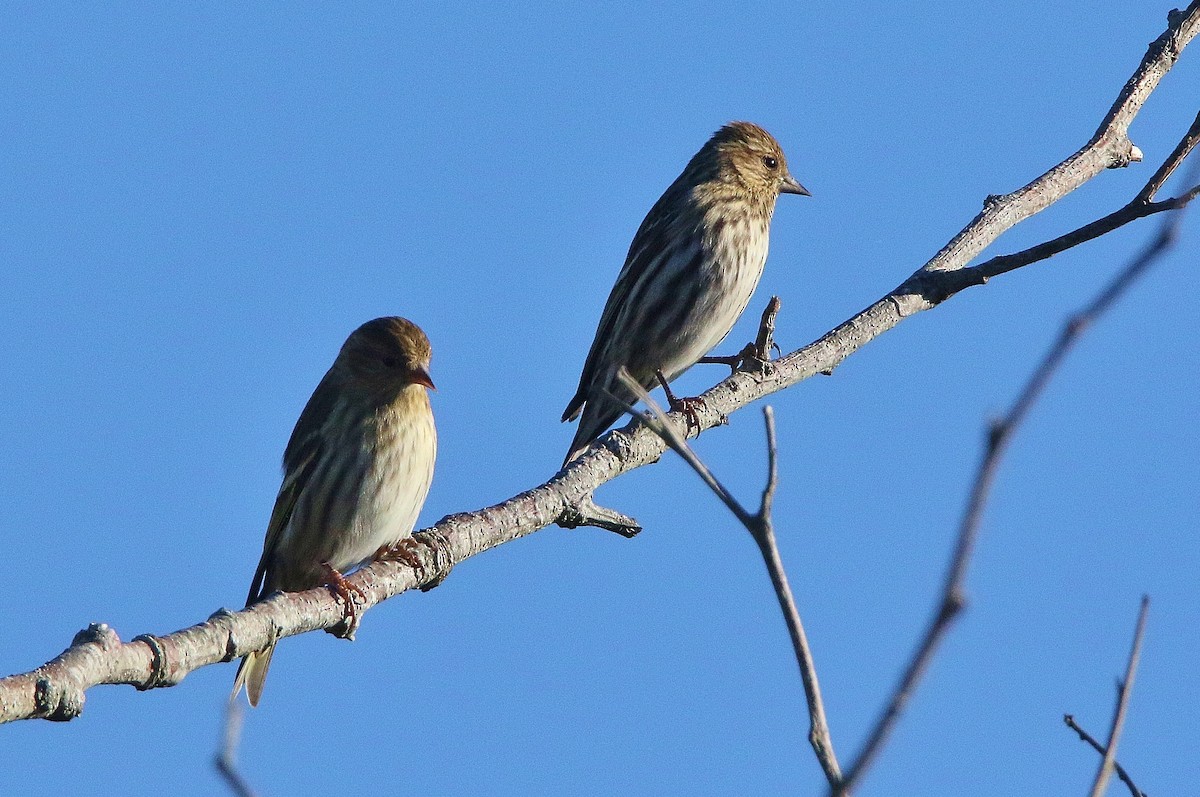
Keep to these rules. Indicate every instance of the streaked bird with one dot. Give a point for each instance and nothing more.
(691, 269)
(355, 472)
(689, 274)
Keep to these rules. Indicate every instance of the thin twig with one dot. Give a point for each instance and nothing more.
(762, 529)
(953, 597)
(661, 424)
(1123, 691)
(818, 731)
(765, 341)
(1099, 748)
(226, 757)
(755, 356)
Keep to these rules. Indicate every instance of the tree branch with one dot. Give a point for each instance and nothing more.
(1139, 207)
(98, 656)
(1099, 748)
(1123, 691)
(226, 758)
(762, 529)
(756, 355)
(999, 434)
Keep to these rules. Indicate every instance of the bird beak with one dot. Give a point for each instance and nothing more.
(420, 376)
(788, 185)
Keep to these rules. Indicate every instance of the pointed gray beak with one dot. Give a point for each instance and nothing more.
(420, 376)
(788, 185)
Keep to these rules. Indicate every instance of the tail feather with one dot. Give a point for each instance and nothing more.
(252, 673)
(574, 406)
(598, 414)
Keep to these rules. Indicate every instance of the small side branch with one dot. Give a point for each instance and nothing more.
(762, 529)
(754, 356)
(1123, 691)
(1099, 748)
(765, 342)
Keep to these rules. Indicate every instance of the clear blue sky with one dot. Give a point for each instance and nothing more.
(197, 205)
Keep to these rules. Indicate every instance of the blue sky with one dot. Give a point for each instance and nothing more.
(199, 204)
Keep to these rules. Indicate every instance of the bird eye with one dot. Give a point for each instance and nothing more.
(391, 362)
(770, 162)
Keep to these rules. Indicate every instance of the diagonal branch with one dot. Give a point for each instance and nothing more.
(1139, 207)
(56, 689)
(226, 758)
(762, 529)
(1123, 691)
(660, 423)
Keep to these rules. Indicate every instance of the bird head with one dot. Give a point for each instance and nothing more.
(744, 154)
(388, 352)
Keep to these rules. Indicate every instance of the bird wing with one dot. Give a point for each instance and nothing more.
(303, 452)
(649, 244)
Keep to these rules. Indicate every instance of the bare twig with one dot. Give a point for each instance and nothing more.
(56, 689)
(1123, 691)
(953, 597)
(818, 732)
(226, 758)
(762, 529)
(588, 513)
(754, 356)
(765, 341)
(1099, 748)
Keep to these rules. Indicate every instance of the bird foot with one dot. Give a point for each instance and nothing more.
(403, 551)
(690, 406)
(345, 590)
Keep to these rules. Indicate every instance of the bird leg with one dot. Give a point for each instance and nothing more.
(344, 589)
(689, 406)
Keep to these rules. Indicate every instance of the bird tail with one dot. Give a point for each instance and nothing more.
(598, 414)
(252, 673)
(575, 405)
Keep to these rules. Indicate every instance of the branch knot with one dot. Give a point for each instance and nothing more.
(158, 663)
(97, 634)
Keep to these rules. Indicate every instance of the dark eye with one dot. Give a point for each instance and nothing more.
(770, 162)
(391, 362)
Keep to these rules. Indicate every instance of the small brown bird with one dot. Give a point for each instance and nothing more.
(355, 472)
(689, 274)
